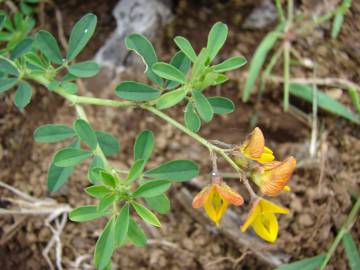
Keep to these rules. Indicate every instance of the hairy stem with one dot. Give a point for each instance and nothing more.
(78, 100)
(204, 142)
(82, 115)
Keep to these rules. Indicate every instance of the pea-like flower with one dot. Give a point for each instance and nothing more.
(273, 177)
(263, 220)
(215, 198)
(254, 147)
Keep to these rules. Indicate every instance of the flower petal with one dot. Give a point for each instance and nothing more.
(269, 207)
(254, 212)
(266, 226)
(215, 206)
(277, 177)
(265, 157)
(229, 194)
(254, 145)
(201, 197)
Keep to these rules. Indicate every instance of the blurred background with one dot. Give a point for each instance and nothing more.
(324, 182)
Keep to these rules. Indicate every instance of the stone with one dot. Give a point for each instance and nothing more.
(140, 16)
(262, 16)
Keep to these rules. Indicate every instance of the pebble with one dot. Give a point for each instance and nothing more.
(188, 244)
(306, 220)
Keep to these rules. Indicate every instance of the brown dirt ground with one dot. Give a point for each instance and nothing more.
(318, 208)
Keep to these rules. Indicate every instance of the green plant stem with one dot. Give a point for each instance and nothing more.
(94, 101)
(204, 142)
(344, 229)
(98, 152)
(290, 11)
(78, 100)
(286, 74)
(280, 10)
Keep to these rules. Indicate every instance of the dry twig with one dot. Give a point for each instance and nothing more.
(56, 214)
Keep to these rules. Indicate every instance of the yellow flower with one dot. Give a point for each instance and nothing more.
(216, 198)
(274, 176)
(254, 147)
(263, 220)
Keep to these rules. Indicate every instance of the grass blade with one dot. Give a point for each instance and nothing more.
(259, 58)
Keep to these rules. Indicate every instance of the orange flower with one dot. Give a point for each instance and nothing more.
(254, 147)
(216, 198)
(274, 176)
(263, 220)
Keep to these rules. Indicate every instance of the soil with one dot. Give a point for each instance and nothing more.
(322, 192)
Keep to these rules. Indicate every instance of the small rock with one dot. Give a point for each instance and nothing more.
(188, 244)
(262, 16)
(306, 220)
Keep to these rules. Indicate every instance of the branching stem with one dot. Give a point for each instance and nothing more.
(78, 100)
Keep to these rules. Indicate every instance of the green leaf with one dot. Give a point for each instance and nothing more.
(259, 58)
(80, 35)
(33, 61)
(171, 98)
(220, 78)
(185, 46)
(152, 188)
(86, 213)
(211, 78)
(221, 105)
(70, 156)
(351, 251)
(51, 133)
(86, 133)
(136, 234)
(203, 106)
(180, 61)
(98, 191)
(69, 87)
(355, 98)
(324, 101)
(8, 67)
(230, 64)
(136, 91)
(135, 170)
(84, 69)
(6, 84)
(48, 46)
(57, 176)
(200, 63)
(106, 201)
(176, 170)
(339, 17)
(122, 225)
(108, 179)
(146, 214)
(93, 175)
(337, 23)
(108, 143)
(216, 39)
(144, 145)
(192, 120)
(23, 95)
(21, 48)
(306, 264)
(143, 47)
(2, 20)
(169, 72)
(105, 245)
(160, 203)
